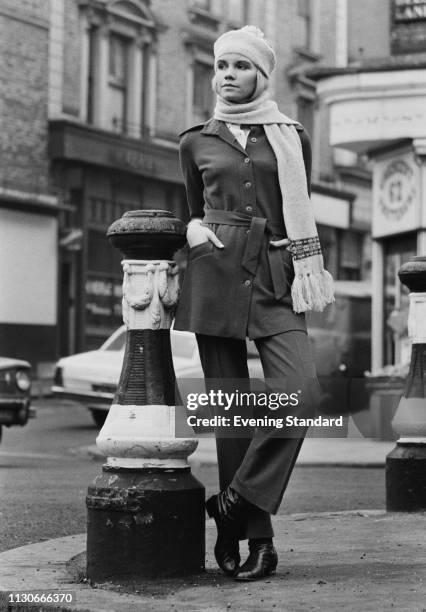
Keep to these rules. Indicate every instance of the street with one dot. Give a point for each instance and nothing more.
(44, 475)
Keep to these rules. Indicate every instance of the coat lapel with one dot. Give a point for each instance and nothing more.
(214, 127)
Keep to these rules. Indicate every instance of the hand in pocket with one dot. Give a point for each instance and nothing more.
(197, 234)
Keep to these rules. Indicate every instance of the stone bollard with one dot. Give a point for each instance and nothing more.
(145, 511)
(406, 464)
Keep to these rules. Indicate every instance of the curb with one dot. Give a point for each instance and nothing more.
(356, 559)
(207, 459)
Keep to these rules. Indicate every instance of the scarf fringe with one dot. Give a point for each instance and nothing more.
(312, 291)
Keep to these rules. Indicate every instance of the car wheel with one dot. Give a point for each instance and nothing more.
(99, 416)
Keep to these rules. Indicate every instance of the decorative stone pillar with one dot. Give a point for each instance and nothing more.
(406, 464)
(146, 511)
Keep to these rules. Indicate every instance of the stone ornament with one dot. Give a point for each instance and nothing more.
(150, 293)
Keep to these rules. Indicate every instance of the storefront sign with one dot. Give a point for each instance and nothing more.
(361, 122)
(133, 160)
(103, 305)
(409, 10)
(89, 145)
(396, 196)
(408, 34)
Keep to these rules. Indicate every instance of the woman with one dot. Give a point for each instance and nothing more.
(247, 173)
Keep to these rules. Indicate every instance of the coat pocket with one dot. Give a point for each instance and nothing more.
(288, 264)
(200, 249)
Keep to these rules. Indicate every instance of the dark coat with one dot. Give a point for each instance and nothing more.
(243, 289)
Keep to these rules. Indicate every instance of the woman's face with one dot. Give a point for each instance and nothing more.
(236, 77)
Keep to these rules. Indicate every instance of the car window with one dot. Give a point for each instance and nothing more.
(183, 343)
(117, 344)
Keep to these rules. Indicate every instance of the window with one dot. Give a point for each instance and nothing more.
(117, 65)
(117, 100)
(329, 245)
(304, 12)
(342, 251)
(202, 101)
(350, 246)
(92, 34)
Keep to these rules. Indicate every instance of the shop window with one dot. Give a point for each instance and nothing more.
(329, 244)
(350, 248)
(397, 251)
(102, 290)
(304, 13)
(203, 97)
(342, 251)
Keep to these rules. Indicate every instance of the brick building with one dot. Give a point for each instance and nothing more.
(29, 205)
(96, 94)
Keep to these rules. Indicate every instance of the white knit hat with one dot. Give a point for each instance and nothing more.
(250, 42)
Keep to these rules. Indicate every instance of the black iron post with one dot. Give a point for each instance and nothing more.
(406, 464)
(146, 511)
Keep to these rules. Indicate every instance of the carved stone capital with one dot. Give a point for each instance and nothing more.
(150, 293)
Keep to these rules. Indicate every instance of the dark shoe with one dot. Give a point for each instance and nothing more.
(228, 510)
(262, 561)
(227, 554)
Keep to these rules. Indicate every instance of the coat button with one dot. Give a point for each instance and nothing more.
(249, 208)
(247, 184)
(247, 283)
(253, 139)
(247, 160)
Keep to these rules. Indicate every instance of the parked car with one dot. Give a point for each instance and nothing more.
(92, 377)
(15, 390)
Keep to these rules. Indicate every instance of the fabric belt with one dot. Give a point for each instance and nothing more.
(257, 228)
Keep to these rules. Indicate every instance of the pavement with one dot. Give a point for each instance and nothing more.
(357, 560)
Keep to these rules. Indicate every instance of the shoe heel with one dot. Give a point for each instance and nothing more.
(210, 506)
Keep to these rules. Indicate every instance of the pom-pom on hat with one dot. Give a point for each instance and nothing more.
(250, 42)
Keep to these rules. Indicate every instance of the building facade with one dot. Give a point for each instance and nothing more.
(30, 206)
(373, 103)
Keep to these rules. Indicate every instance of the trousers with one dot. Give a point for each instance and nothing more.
(258, 466)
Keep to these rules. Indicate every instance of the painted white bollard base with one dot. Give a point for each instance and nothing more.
(417, 318)
(144, 437)
(410, 418)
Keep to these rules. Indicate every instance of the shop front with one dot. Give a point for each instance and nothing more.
(105, 175)
(379, 110)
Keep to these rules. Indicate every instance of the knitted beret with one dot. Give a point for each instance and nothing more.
(250, 42)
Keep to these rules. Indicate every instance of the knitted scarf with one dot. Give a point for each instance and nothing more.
(312, 288)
